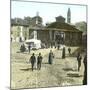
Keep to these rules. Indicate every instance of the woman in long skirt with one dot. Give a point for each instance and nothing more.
(51, 56)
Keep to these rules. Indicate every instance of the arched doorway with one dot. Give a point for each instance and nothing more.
(59, 37)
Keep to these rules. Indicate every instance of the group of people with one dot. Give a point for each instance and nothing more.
(39, 59)
(23, 48)
(50, 58)
(33, 61)
(33, 58)
(64, 52)
(50, 61)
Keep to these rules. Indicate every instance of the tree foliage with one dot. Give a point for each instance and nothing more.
(82, 26)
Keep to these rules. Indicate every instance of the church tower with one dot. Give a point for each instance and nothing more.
(37, 15)
(69, 16)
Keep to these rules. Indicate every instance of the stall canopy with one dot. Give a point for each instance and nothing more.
(34, 43)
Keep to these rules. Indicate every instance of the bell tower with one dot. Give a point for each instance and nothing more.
(69, 16)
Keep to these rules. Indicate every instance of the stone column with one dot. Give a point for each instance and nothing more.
(35, 34)
(50, 34)
(21, 31)
(27, 33)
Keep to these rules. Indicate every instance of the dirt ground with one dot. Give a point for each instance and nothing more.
(63, 72)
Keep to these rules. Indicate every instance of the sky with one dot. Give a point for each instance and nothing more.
(48, 11)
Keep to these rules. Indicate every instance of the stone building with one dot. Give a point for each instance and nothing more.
(60, 19)
(55, 33)
(19, 31)
(20, 28)
(58, 33)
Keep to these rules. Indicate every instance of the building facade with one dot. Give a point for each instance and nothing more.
(54, 36)
(55, 33)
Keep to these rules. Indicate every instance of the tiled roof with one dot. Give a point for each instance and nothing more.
(63, 26)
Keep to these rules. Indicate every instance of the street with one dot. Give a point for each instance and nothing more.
(62, 72)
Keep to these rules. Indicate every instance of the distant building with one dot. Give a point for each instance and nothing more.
(60, 19)
(58, 33)
(19, 33)
(19, 28)
(55, 33)
(37, 20)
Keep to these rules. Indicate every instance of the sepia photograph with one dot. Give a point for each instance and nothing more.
(48, 44)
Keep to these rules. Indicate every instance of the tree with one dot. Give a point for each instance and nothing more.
(82, 26)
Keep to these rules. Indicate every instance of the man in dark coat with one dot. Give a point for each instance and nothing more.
(69, 50)
(63, 53)
(85, 70)
(58, 47)
(79, 57)
(51, 56)
(29, 47)
(22, 48)
(32, 60)
(39, 61)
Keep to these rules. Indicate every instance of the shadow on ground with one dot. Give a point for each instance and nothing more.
(27, 69)
(69, 69)
(45, 63)
(74, 75)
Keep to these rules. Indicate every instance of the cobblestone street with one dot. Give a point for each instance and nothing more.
(62, 72)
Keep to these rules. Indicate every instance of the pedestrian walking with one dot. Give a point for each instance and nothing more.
(85, 70)
(29, 47)
(63, 53)
(39, 61)
(33, 61)
(79, 57)
(51, 56)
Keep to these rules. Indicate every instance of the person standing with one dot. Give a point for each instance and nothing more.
(51, 56)
(69, 50)
(39, 61)
(79, 57)
(29, 47)
(32, 60)
(58, 46)
(22, 48)
(85, 70)
(63, 53)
